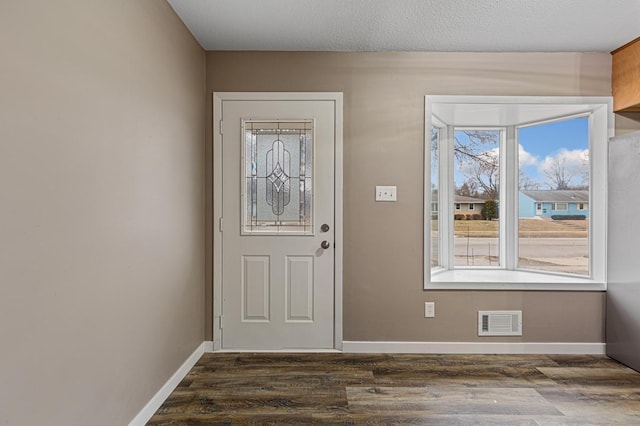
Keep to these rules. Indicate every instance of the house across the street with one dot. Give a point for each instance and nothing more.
(547, 203)
(462, 205)
(468, 205)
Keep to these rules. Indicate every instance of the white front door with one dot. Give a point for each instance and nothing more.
(278, 222)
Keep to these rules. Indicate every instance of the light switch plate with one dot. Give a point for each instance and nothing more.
(386, 193)
(429, 309)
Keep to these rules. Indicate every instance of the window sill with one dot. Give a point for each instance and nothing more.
(494, 279)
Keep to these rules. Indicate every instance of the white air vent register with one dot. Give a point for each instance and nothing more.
(499, 323)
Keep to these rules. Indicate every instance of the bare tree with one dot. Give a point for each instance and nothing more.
(558, 177)
(485, 172)
(468, 189)
(525, 183)
(479, 161)
(584, 174)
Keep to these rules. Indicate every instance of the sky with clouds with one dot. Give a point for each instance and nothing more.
(564, 141)
(540, 147)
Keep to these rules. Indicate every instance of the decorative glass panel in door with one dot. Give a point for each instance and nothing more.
(278, 176)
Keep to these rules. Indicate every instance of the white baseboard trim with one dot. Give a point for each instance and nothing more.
(152, 406)
(208, 345)
(475, 348)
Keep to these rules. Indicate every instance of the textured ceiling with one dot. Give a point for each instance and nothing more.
(412, 25)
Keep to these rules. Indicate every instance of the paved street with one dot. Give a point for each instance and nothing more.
(551, 254)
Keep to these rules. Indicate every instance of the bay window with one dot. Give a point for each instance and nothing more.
(535, 169)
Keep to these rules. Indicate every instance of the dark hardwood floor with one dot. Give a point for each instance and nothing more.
(354, 389)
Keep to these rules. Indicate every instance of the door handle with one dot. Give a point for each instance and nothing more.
(325, 244)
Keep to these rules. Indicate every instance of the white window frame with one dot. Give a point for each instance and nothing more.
(582, 206)
(472, 206)
(458, 206)
(508, 276)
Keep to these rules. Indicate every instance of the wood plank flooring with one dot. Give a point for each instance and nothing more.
(385, 389)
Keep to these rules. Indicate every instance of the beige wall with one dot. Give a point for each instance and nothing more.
(383, 145)
(101, 207)
(627, 122)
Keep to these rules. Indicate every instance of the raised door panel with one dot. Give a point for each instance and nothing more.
(255, 288)
(299, 288)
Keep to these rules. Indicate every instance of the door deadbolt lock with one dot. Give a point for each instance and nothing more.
(324, 228)
(325, 244)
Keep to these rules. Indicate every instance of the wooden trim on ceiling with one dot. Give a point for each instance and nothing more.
(625, 45)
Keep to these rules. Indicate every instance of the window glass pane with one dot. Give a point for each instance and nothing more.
(435, 220)
(278, 160)
(563, 207)
(553, 202)
(476, 180)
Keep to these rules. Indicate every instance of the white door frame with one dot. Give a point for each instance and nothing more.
(218, 99)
